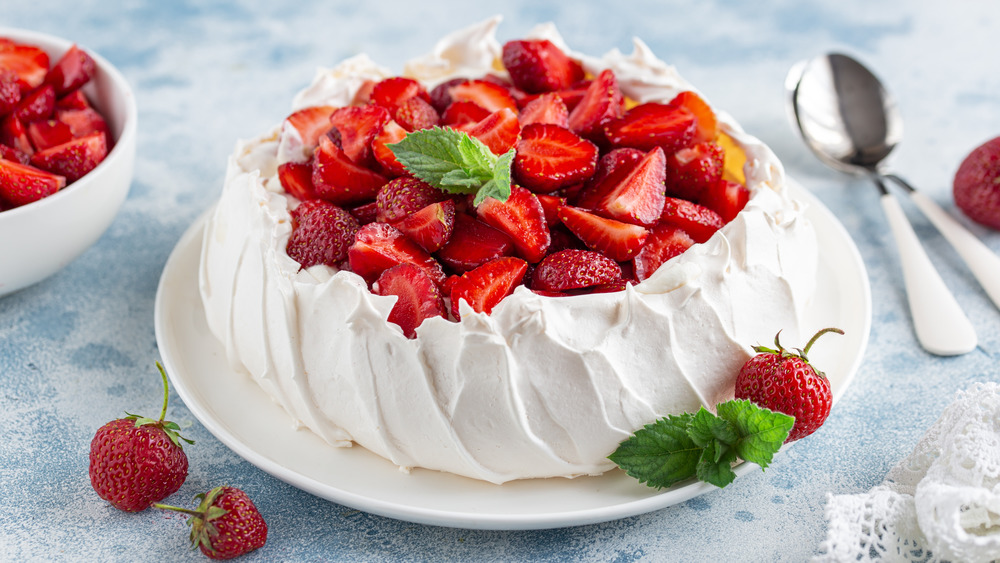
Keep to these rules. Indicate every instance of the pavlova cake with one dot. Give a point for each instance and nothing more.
(505, 261)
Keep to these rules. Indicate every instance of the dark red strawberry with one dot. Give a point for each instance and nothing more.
(546, 108)
(602, 103)
(339, 179)
(430, 227)
(441, 94)
(391, 133)
(618, 240)
(380, 246)
(392, 93)
(522, 218)
(484, 287)
(472, 244)
(696, 220)
(402, 196)
(417, 113)
(136, 461)
(28, 62)
(358, 126)
(366, 213)
(976, 187)
(574, 269)
(296, 179)
(459, 114)
(418, 297)
(45, 133)
(692, 170)
(226, 523)
(39, 104)
(538, 65)
(726, 198)
(638, 197)
(498, 131)
(663, 243)
(785, 382)
(21, 184)
(646, 126)
(321, 233)
(489, 95)
(73, 159)
(74, 69)
(706, 122)
(550, 157)
(311, 123)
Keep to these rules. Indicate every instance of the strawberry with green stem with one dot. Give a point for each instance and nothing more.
(226, 523)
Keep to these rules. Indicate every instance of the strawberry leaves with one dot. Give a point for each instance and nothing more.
(456, 163)
(703, 445)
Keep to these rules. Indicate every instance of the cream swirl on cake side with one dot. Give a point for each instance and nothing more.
(542, 386)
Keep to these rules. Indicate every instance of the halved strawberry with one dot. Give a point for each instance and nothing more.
(417, 113)
(74, 69)
(430, 227)
(696, 220)
(726, 198)
(653, 124)
(45, 133)
(418, 297)
(392, 93)
(484, 287)
(618, 240)
(707, 123)
(10, 91)
(550, 157)
(321, 233)
(391, 133)
(296, 179)
(10, 153)
(339, 180)
(663, 243)
(380, 246)
(538, 65)
(364, 94)
(14, 134)
(21, 184)
(83, 122)
(550, 205)
(574, 269)
(522, 218)
(498, 131)
(358, 126)
(441, 94)
(73, 159)
(73, 100)
(28, 62)
(571, 96)
(546, 108)
(691, 170)
(311, 123)
(638, 197)
(473, 243)
(402, 196)
(602, 103)
(486, 94)
(39, 104)
(612, 169)
(458, 114)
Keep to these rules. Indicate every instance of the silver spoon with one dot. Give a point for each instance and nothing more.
(849, 120)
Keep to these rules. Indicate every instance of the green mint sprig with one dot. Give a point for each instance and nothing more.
(703, 445)
(455, 162)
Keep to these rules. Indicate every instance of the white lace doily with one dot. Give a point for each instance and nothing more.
(940, 503)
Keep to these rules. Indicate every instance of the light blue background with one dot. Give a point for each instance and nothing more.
(78, 349)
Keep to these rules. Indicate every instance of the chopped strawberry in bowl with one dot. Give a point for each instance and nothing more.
(67, 147)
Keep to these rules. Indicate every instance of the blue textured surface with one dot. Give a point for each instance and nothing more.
(78, 349)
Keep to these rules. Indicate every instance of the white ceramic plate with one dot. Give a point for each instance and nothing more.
(238, 413)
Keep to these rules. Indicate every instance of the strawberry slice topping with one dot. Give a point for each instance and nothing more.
(391, 133)
(538, 65)
(547, 108)
(418, 297)
(463, 113)
(10, 91)
(392, 93)
(28, 62)
(616, 239)
(602, 103)
(14, 134)
(39, 104)
(612, 169)
(664, 242)
(691, 170)
(311, 123)
(575, 269)
(484, 287)
(321, 233)
(83, 122)
(417, 113)
(45, 133)
(380, 246)
(646, 126)
(696, 220)
(21, 184)
(472, 244)
(358, 127)
(726, 198)
(339, 180)
(486, 94)
(73, 159)
(639, 196)
(550, 157)
(74, 69)
(402, 196)
(73, 100)
(430, 227)
(498, 130)
(296, 179)
(522, 218)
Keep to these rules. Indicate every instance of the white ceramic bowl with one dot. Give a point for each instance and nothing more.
(40, 238)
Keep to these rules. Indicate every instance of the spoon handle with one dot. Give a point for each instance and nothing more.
(941, 326)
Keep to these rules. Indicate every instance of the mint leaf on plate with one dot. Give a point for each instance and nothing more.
(762, 431)
(660, 454)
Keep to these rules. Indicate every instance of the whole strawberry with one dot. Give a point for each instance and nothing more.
(786, 382)
(977, 184)
(226, 523)
(136, 461)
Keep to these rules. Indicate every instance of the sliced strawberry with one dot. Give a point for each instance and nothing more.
(296, 179)
(391, 133)
(418, 297)
(73, 100)
(14, 134)
(669, 126)
(550, 205)
(10, 153)
(392, 93)
(563, 238)
(83, 122)
(498, 131)
(616, 239)
(10, 91)
(603, 102)
(550, 157)
(417, 113)
(21, 184)
(311, 123)
(358, 126)
(726, 198)
(430, 227)
(486, 94)
(691, 170)
(39, 104)
(638, 198)
(74, 69)
(28, 62)
(707, 123)
(522, 218)
(364, 94)
(472, 244)
(571, 96)
(612, 169)
(538, 65)
(321, 233)
(663, 243)
(366, 213)
(441, 94)
(73, 159)
(402, 196)
(380, 246)
(696, 220)
(458, 114)
(484, 287)
(339, 180)
(546, 108)
(574, 269)
(46, 133)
